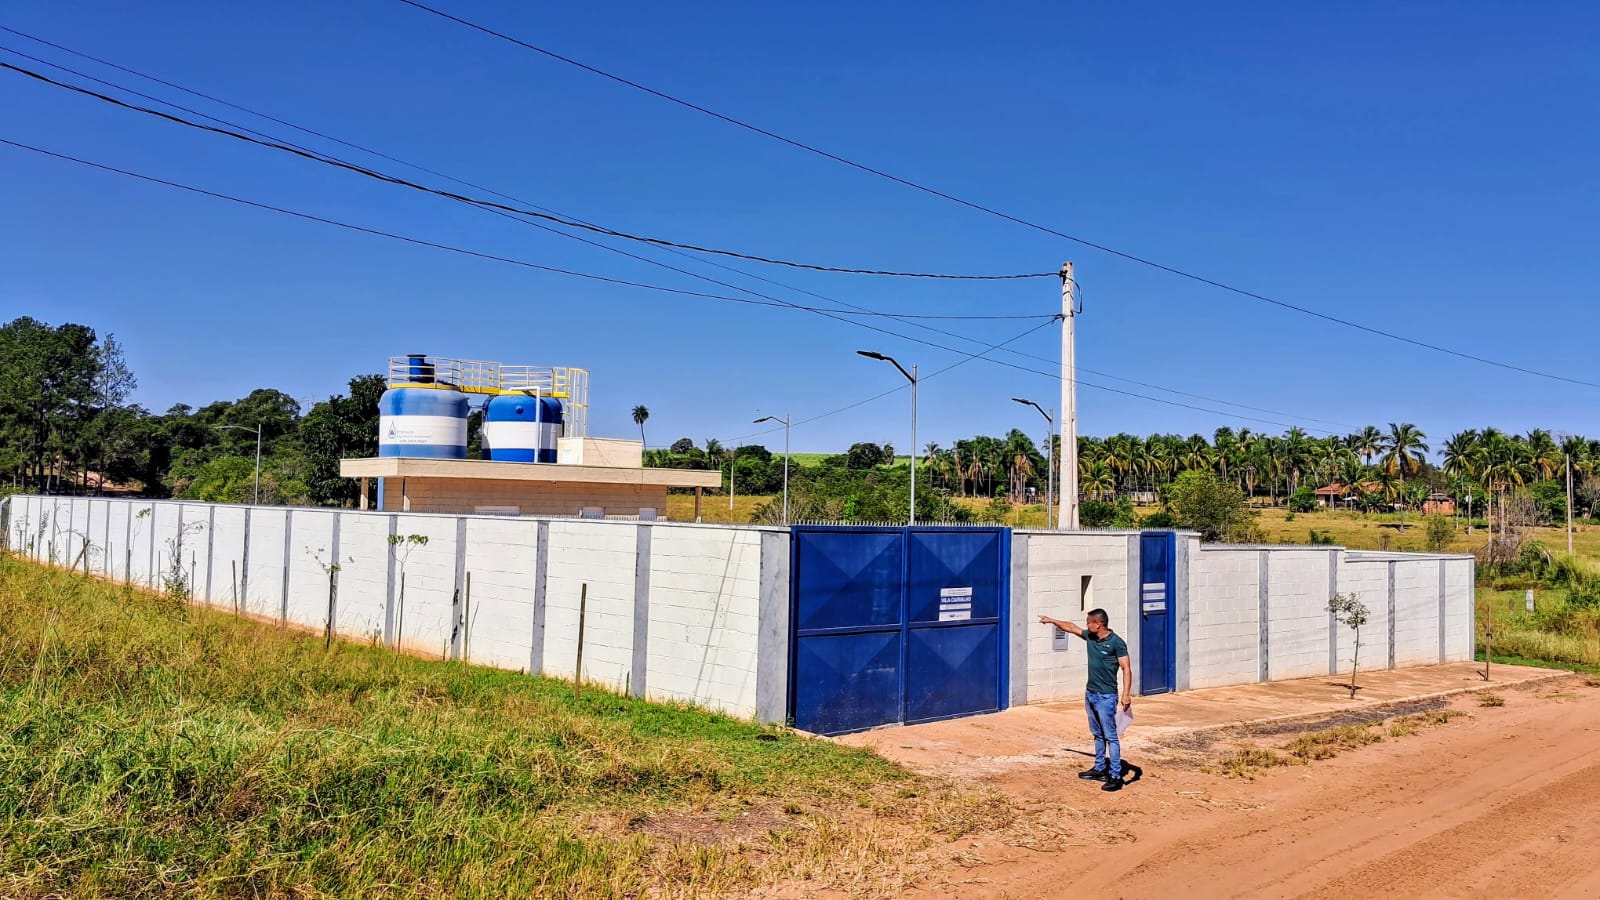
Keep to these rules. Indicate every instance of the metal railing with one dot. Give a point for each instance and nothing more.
(472, 376)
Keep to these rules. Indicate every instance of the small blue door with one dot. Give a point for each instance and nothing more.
(1157, 645)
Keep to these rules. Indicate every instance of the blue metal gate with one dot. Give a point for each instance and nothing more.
(1158, 556)
(896, 625)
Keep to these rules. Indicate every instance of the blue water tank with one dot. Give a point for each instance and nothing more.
(521, 428)
(423, 423)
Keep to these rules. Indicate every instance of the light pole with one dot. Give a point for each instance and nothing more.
(911, 376)
(785, 421)
(1050, 472)
(257, 430)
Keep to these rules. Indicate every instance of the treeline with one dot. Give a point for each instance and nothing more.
(66, 426)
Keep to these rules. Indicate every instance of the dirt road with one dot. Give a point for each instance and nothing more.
(1502, 803)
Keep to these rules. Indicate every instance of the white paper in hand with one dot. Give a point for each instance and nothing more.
(1124, 719)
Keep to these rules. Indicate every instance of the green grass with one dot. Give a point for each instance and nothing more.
(1558, 632)
(152, 748)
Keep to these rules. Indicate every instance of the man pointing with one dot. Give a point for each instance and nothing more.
(1108, 652)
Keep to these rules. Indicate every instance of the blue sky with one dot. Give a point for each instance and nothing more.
(1427, 170)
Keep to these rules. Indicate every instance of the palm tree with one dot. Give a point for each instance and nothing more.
(640, 414)
(1403, 448)
(1296, 454)
(1096, 479)
(1367, 442)
(1543, 454)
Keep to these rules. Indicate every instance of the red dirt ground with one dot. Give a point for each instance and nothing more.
(1502, 803)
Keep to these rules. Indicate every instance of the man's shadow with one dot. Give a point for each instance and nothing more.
(1130, 771)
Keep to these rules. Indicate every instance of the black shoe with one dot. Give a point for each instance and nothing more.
(1112, 784)
(1093, 775)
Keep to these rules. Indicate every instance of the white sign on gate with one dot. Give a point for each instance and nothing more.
(955, 604)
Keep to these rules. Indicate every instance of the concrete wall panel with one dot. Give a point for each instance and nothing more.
(705, 595)
(1297, 613)
(1057, 564)
(1225, 618)
(425, 617)
(1369, 583)
(363, 576)
(602, 555)
(311, 548)
(1416, 602)
(502, 558)
(227, 556)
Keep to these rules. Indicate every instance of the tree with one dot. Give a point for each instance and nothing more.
(344, 426)
(1352, 613)
(1367, 442)
(684, 445)
(640, 415)
(47, 391)
(1211, 506)
(1441, 531)
(1403, 448)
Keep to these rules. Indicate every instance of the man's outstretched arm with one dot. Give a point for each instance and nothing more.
(1069, 627)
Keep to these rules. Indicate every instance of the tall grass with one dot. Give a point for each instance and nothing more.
(1557, 631)
(153, 748)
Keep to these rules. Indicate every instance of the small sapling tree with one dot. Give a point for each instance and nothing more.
(1351, 613)
(400, 547)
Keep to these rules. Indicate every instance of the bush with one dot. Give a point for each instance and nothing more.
(1318, 538)
(1303, 500)
(998, 509)
(1215, 508)
(1096, 514)
(1159, 519)
(1441, 531)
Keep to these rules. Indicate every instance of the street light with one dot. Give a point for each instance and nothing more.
(1049, 441)
(911, 376)
(257, 430)
(785, 421)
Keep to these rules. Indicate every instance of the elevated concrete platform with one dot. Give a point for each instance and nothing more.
(466, 486)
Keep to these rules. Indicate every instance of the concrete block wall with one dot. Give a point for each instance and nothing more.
(502, 558)
(226, 582)
(424, 618)
(364, 569)
(675, 612)
(1416, 612)
(1460, 632)
(312, 544)
(1367, 581)
(1299, 584)
(262, 575)
(115, 541)
(1048, 569)
(1225, 618)
(605, 556)
(704, 613)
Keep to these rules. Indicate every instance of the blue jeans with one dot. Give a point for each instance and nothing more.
(1102, 709)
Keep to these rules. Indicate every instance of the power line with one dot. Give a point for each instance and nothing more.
(988, 210)
(833, 314)
(911, 320)
(897, 389)
(439, 246)
(559, 220)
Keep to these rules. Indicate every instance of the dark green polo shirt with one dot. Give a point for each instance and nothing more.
(1103, 656)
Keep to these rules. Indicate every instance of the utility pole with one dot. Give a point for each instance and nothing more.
(1569, 503)
(1069, 401)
